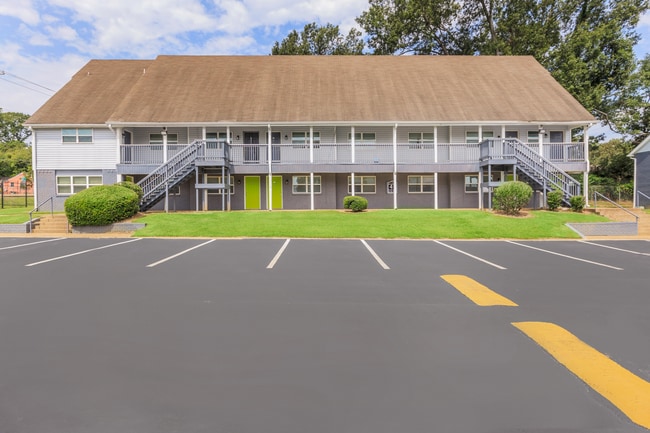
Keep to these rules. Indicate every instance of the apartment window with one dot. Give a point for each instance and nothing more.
(512, 134)
(420, 184)
(175, 190)
(77, 135)
(532, 137)
(213, 178)
(495, 176)
(556, 136)
(420, 140)
(363, 184)
(363, 138)
(158, 138)
(301, 139)
(471, 183)
(300, 185)
(67, 185)
(471, 137)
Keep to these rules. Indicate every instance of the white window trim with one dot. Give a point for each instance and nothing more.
(77, 135)
(219, 180)
(421, 184)
(361, 184)
(72, 184)
(307, 184)
(476, 175)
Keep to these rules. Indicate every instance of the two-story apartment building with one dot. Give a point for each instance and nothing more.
(302, 132)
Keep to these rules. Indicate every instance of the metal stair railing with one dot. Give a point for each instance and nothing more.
(38, 206)
(597, 194)
(156, 182)
(531, 163)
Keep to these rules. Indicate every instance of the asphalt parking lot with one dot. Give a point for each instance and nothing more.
(277, 335)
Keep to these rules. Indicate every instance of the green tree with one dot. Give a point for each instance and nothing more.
(320, 40)
(610, 160)
(12, 128)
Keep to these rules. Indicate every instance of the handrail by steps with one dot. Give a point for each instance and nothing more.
(596, 194)
(31, 223)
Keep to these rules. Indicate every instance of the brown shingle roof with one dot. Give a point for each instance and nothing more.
(207, 89)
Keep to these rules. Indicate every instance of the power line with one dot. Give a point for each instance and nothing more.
(25, 87)
(26, 80)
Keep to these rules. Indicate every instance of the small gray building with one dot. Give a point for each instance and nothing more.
(641, 156)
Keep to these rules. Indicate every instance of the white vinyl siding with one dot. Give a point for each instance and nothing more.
(52, 154)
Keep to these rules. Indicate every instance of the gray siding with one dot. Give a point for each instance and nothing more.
(46, 184)
(643, 176)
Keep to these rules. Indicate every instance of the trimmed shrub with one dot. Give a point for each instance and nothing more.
(101, 205)
(133, 187)
(554, 200)
(577, 203)
(355, 203)
(511, 196)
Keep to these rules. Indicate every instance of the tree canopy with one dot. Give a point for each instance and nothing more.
(320, 40)
(15, 154)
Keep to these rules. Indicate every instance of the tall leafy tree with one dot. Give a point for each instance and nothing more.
(320, 40)
(15, 154)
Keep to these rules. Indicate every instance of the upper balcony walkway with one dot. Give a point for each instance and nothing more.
(568, 156)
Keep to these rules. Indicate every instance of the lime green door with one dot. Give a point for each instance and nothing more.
(252, 193)
(277, 192)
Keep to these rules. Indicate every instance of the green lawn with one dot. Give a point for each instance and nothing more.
(388, 224)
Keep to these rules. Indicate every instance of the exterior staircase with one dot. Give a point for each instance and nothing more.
(620, 215)
(530, 165)
(52, 224)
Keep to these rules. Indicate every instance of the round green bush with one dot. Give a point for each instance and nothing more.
(554, 200)
(511, 196)
(355, 203)
(577, 203)
(101, 205)
(133, 187)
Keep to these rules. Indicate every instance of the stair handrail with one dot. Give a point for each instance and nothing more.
(542, 166)
(639, 193)
(31, 220)
(597, 194)
(162, 173)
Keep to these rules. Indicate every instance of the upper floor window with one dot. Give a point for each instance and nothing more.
(301, 139)
(158, 138)
(420, 140)
(77, 135)
(363, 138)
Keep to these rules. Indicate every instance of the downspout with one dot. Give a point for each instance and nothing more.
(635, 197)
(118, 140)
(311, 161)
(585, 175)
(34, 166)
(352, 187)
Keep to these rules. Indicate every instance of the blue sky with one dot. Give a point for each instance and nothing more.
(44, 42)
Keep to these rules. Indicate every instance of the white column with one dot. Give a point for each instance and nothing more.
(585, 175)
(311, 161)
(352, 188)
(540, 138)
(480, 133)
(269, 196)
(635, 197)
(118, 140)
(435, 160)
(395, 166)
(165, 154)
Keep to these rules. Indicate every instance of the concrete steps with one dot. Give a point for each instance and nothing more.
(52, 224)
(616, 214)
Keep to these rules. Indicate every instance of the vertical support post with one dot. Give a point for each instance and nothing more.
(585, 175)
(635, 199)
(480, 188)
(395, 166)
(223, 191)
(311, 162)
(269, 197)
(490, 186)
(352, 186)
(118, 140)
(435, 160)
(196, 190)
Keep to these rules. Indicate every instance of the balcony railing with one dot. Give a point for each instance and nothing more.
(331, 153)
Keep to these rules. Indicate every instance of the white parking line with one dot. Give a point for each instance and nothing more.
(614, 248)
(470, 255)
(179, 254)
(278, 254)
(565, 256)
(82, 252)
(375, 255)
(31, 243)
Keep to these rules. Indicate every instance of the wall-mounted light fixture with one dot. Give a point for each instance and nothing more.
(238, 181)
(286, 136)
(164, 131)
(286, 181)
(237, 137)
(541, 129)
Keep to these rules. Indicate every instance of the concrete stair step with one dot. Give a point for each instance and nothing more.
(57, 223)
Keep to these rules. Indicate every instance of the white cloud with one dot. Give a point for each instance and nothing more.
(23, 10)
